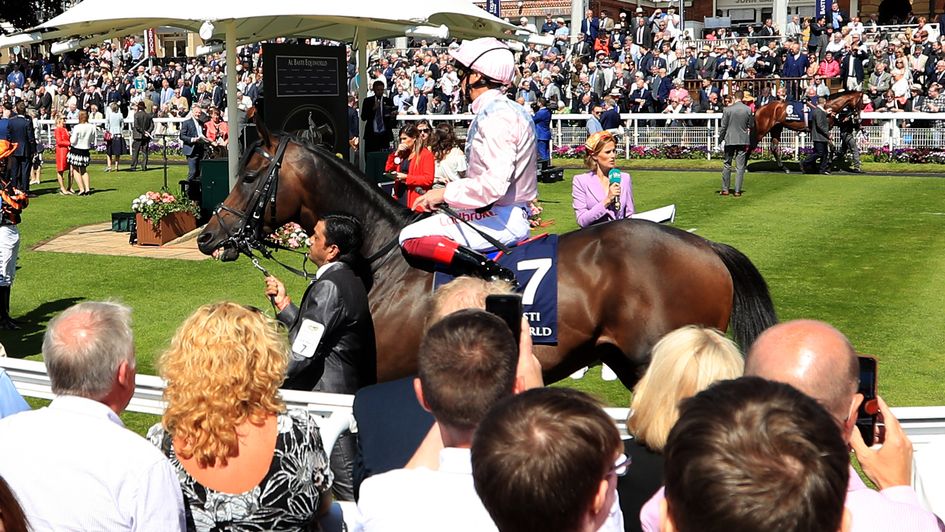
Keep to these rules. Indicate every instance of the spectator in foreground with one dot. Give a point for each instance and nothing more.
(821, 362)
(594, 197)
(754, 456)
(11, 402)
(570, 448)
(84, 469)
(226, 430)
(467, 364)
(692, 358)
(12, 518)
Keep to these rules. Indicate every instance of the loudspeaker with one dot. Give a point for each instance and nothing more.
(304, 89)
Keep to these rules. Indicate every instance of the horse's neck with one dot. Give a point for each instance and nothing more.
(380, 222)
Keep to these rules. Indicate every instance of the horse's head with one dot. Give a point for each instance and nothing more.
(265, 197)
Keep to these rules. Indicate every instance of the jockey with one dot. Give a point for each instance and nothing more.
(500, 181)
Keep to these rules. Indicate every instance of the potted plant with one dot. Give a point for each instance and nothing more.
(161, 217)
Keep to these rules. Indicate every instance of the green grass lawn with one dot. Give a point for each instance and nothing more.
(861, 252)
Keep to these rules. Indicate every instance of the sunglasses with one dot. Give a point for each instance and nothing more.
(423, 131)
(621, 465)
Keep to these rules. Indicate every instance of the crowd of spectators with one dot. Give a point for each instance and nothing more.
(229, 454)
(93, 78)
(634, 62)
(644, 62)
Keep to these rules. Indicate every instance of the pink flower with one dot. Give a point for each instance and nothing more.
(293, 243)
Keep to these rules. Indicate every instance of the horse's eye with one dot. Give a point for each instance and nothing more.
(249, 177)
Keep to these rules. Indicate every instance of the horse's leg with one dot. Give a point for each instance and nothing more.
(776, 147)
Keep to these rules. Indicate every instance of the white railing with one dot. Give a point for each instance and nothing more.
(925, 425)
(650, 130)
(333, 411)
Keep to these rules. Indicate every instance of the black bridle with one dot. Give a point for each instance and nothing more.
(248, 235)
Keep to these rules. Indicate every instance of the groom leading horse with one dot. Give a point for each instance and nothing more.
(774, 117)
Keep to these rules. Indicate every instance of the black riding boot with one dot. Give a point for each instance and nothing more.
(6, 322)
(468, 262)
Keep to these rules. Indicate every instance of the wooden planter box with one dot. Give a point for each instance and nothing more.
(171, 226)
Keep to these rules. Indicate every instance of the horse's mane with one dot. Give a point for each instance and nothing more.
(385, 204)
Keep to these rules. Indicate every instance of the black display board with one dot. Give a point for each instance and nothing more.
(304, 89)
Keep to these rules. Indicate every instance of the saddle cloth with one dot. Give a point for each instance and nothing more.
(535, 263)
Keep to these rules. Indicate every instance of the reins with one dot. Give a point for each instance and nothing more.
(248, 238)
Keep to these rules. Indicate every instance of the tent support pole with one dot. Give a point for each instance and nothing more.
(232, 106)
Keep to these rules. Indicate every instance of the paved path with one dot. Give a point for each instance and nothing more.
(99, 239)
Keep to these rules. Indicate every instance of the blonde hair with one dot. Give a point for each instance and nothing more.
(595, 144)
(224, 367)
(462, 293)
(684, 362)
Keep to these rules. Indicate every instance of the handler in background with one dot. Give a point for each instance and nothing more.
(737, 122)
(332, 334)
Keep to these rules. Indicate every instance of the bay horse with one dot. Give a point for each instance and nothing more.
(621, 285)
(772, 118)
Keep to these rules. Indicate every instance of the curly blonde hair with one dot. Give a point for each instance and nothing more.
(224, 367)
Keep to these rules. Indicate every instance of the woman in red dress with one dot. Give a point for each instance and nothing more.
(62, 151)
(420, 165)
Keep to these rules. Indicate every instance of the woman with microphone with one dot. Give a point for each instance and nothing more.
(604, 193)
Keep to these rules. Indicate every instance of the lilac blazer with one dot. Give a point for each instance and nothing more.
(587, 198)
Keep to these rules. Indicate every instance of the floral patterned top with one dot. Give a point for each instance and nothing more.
(288, 496)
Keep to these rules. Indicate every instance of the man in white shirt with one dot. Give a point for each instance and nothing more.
(467, 363)
(73, 465)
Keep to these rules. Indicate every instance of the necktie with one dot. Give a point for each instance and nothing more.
(379, 117)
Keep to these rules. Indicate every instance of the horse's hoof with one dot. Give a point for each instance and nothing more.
(786, 170)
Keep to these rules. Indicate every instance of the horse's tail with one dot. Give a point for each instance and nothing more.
(752, 309)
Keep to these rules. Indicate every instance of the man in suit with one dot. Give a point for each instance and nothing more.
(582, 49)
(639, 96)
(195, 142)
(820, 136)
(331, 333)
(795, 66)
(380, 113)
(24, 137)
(660, 85)
(640, 29)
(737, 122)
(590, 25)
(851, 67)
(141, 131)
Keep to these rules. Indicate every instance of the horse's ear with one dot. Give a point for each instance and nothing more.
(261, 128)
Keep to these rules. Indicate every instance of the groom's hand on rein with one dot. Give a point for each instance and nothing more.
(275, 290)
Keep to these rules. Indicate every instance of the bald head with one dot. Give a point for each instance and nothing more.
(813, 357)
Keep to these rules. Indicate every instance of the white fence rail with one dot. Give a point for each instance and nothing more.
(924, 425)
(650, 130)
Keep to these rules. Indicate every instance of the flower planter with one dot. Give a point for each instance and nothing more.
(170, 227)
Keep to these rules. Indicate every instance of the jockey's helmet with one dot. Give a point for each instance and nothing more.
(487, 55)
